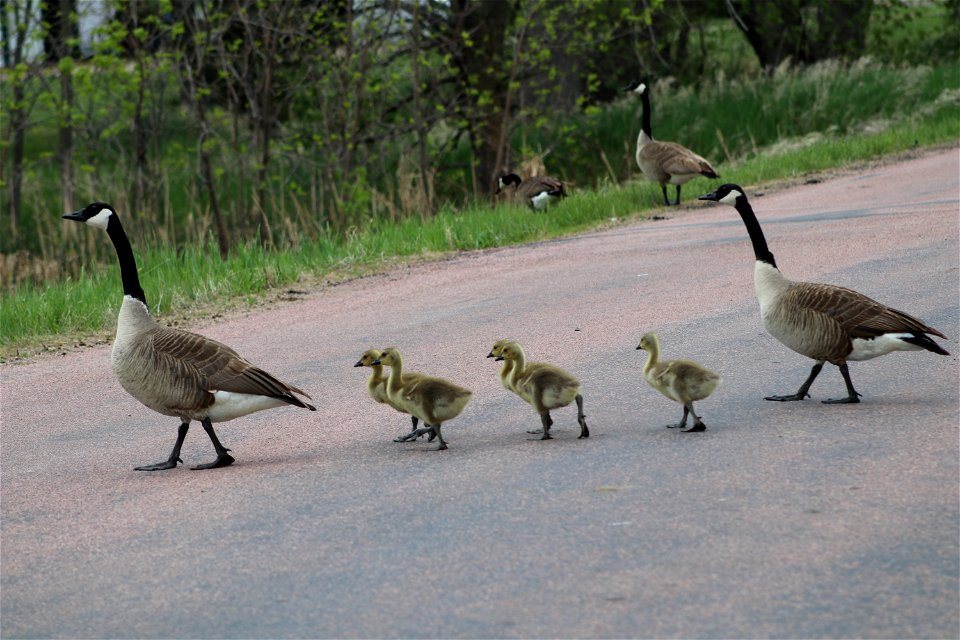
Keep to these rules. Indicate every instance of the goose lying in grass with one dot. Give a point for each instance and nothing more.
(824, 322)
(682, 381)
(175, 372)
(537, 192)
(432, 400)
(377, 382)
(544, 387)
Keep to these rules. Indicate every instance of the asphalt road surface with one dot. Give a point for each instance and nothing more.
(781, 520)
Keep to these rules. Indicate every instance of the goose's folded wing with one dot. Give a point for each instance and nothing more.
(678, 160)
(859, 315)
(219, 365)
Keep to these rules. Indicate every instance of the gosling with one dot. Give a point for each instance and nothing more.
(683, 381)
(544, 387)
(377, 383)
(432, 400)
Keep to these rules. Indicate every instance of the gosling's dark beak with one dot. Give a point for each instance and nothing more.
(498, 359)
(490, 355)
(377, 361)
(359, 364)
(639, 347)
(710, 196)
(76, 216)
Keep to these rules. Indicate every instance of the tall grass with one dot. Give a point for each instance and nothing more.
(194, 278)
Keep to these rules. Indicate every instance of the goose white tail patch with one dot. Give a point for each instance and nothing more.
(866, 349)
(228, 405)
(541, 200)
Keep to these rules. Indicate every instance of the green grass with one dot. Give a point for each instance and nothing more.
(194, 279)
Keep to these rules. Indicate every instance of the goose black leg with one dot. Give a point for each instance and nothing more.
(547, 422)
(443, 444)
(852, 396)
(666, 200)
(682, 422)
(802, 391)
(171, 462)
(697, 422)
(678, 195)
(582, 418)
(539, 431)
(224, 459)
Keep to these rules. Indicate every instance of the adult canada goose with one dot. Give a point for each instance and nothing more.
(175, 372)
(537, 192)
(683, 381)
(823, 321)
(377, 382)
(665, 162)
(433, 400)
(544, 387)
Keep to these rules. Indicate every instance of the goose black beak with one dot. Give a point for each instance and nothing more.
(639, 348)
(359, 364)
(490, 355)
(377, 361)
(76, 216)
(498, 359)
(710, 196)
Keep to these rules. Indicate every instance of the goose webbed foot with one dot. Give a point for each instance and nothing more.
(169, 463)
(804, 388)
(697, 427)
(852, 396)
(547, 422)
(789, 398)
(224, 459)
(848, 400)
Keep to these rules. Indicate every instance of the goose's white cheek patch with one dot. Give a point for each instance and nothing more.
(101, 219)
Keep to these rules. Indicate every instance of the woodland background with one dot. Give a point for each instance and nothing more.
(250, 122)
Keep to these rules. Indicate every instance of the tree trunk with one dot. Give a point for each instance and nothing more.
(774, 29)
(842, 28)
(480, 29)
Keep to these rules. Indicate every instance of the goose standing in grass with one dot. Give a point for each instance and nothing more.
(433, 400)
(175, 372)
(824, 322)
(665, 162)
(377, 382)
(683, 381)
(544, 387)
(537, 192)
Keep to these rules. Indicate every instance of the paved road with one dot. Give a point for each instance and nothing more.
(781, 520)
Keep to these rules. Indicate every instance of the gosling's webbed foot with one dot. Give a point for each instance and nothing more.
(442, 447)
(790, 398)
(546, 436)
(697, 427)
(677, 426)
(413, 435)
(536, 432)
(169, 463)
(223, 460)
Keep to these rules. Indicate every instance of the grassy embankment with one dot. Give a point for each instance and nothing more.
(756, 131)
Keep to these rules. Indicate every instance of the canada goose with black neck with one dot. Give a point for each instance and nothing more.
(825, 322)
(665, 162)
(175, 372)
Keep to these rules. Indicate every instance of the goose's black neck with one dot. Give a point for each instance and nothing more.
(128, 265)
(760, 249)
(645, 116)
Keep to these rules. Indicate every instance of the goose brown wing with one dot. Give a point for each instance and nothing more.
(218, 367)
(678, 160)
(538, 184)
(858, 315)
